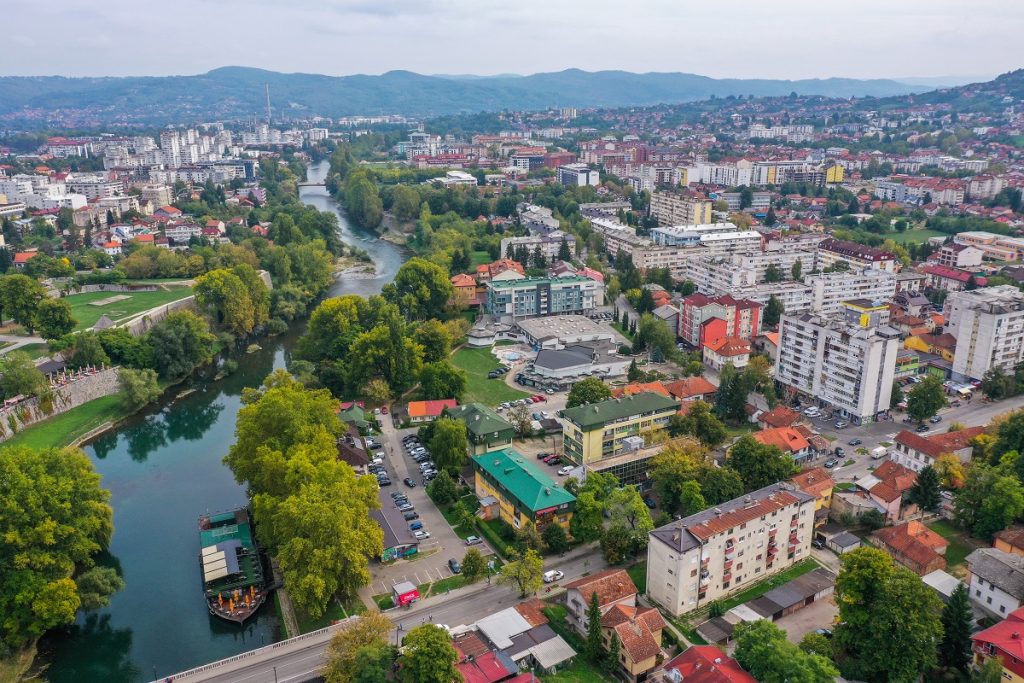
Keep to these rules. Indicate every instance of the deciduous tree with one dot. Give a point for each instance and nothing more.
(449, 444)
(759, 464)
(181, 343)
(926, 398)
(441, 380)
(369, 630)
(762, 649)
(474, 565)
(139, 387)
(20, 296)
(20, 376)
(555, 538)
(421, 289)
(589, 390)
(526, 573)
(54, 318)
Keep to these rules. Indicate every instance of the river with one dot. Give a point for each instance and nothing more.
(163, 469)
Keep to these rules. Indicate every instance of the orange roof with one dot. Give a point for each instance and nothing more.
(531, 610)
(914, 541)
(730, 346)
(169, 209)
(787, 439)
(144, 238)
(463, 280)
(1014, 536)
(814, 481)
(610, 585)
(708, 664)
(640, 388)
(773, 337)
(690, 387)
(430, 408)
(24, 256)
(780, 416)
(728, 520)
(635, 628)
(894, 478)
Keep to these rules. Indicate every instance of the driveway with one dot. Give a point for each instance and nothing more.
(443, 544)
(819, 614)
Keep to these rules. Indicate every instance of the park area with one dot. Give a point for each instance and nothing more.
(120, 306)
(477, 363)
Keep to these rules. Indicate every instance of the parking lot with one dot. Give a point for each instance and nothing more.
(819, 614)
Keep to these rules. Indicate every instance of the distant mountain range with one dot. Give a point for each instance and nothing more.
(239, 91)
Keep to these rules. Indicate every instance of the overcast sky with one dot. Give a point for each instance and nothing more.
(720, 38)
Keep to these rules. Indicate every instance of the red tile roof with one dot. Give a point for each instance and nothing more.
(814, 481)
(780, 416)
(637, 630)
(728, 520)
(708, 664)
(463, 280)
(610, 585)
(640, 388)
(914, 541)
(531, 611)
(430, 408)
(1014, 536)
(1006, 636)
(690, 387)
(787, 439)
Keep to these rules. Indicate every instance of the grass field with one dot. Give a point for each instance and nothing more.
(958, 549)
(336, 611)
(477, 363)
(638, 572)
(86, 314)
(35, 351)
(911, 236)
(66, 427)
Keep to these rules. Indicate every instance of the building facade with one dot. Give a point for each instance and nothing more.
(830, 290)
(680, 209)
(525, 494)
(530, 297)
(989, 328)
(596, 431)
(722, 550)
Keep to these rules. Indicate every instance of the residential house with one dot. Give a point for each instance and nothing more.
(1010, 540)
(638, 630)
(779, 416)
(633, 388)
(502, 269)
(788, 440)
(950, 279)
(701, 664)
(887, 486)
(818, 483)
(995, 580)
(914, 451)
(464, 290)
(691, 389)
(485, 429)
(612, 587)
(913, 545)
(720, 351)
(428, 411)
(942, 345)
(1003, 641)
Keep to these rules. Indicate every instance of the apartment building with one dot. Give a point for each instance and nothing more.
(995, 581)
(680, 209)
(830, 290)
(720, 274)
(742, 317)
(989, 328)
(858, 256)
(847, 361)
(550, 244)
(530, 297)
(602, 430)
(759, 201)
(644, 252)
(795, 296)
(524, 492)
(959, 255)
(995, 247)
(722, 550)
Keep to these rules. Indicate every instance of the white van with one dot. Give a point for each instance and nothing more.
(879, 453)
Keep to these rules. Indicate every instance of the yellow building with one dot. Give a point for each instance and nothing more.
(596, 431)
(816, 482)
(522, 492)
(943, 345)
(835, 174)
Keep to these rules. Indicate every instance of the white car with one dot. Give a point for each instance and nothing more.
(420, 535)
(811, 412)
(565, 470)
(552, 576)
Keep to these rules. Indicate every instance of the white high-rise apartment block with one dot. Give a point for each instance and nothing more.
(830, 290)
(838, 361)
(724, 549)
(989, 328)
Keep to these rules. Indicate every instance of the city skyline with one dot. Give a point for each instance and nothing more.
(915, 40)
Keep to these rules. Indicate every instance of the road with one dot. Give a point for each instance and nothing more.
(973, 414)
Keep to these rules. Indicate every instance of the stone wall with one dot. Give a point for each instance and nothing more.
(86, 289)
(89, 387)
(141, 324)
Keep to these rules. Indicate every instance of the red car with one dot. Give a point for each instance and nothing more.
(536, 399)
(539, 397)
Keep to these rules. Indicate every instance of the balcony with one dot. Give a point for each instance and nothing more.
(793, 523)
(706, 581)
(730, 551)
(727, 565)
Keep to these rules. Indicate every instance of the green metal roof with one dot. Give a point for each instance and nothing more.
(597, 414)
(531, 281)
(531, 486)
(480, 420)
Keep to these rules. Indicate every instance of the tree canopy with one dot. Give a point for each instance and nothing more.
(587, 391)
(763, 650)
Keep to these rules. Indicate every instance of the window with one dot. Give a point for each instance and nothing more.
(989, 599)
(977, 593)
(725, 585)
(671, 572)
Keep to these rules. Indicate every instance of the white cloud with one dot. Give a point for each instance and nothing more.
(726, 38)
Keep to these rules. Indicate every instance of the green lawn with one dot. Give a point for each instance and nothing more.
(66, 427)
(335, 611)
(477, 363)
(86, 314)
(581, 671)
(478, 258)
(35, 351)
(638, 572)
(911, 236)
(958, 549)
(759, 589)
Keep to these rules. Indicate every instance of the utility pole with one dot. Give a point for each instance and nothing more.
(267, 85)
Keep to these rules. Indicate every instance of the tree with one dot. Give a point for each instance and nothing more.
(610, 661)
(895, 395)
(797, 269)
(449, 444)
(720, 484)
(991, 671)
(362, 200)
(654, 334)
(526, 573)
(691, 501)
(772, 273)
(731, 397)
(520, 417)
(564, 253)
(370, 630)
(374, 664)
(442, 380)
(1009, 435)
(673, 467)
(587, 391)
(555, 538)
(759, 464)
(889, 620)
(428, 656)
(817, 644)
(926, 398)
(421, 289)
(989, 501)
(87, 351)
(20, 296)
(20, 376)
(762, 649)
(594, 646)
(996, 384)
(442, 489)
(626, 509)
(955, 648)
(435, 339)
(587, 521)
(377, 390)
(405, 202)
(925, 491)
(181, 343)
(54, 519)
(700, 422)
(474, 565)
(773, 312)
(770, 219)
(139, 387)
(54, 318)
(633, 373)
(96, 585)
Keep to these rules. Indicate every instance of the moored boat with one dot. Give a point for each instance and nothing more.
(233, 582)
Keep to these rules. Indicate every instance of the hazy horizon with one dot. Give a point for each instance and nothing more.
(793, 40)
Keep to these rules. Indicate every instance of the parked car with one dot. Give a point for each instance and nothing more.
(840, 450)
(649, 502)
(818, 544)
(922, 428)
(550, 391)
(473, 540)
(406, 507)
(542, 455)
(552, 576)
(398, 494)
(842, 424)
(551, 459)
(935, 419)
(824, 632)
(409, 516)
(409, 482)
(373, 443)
(383, 482)
(415, 526)
(421, 535)
(854, 442)
(454, 565)
(565, 470)
(831, 462)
